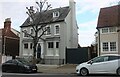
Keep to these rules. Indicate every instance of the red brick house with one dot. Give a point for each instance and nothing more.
(9, 41)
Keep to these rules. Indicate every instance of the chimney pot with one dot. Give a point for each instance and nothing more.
(7, 23)
(7, 19)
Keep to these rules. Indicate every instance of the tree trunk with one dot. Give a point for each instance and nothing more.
(34, 55)
(34, 51)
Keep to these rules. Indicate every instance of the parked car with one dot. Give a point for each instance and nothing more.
(18, 65)
(105, 64)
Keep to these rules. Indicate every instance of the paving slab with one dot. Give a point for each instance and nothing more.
(59, 69)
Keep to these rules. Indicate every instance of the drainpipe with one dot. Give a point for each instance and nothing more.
(118, 31)
(99, 43)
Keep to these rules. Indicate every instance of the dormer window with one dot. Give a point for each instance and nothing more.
(55, 14)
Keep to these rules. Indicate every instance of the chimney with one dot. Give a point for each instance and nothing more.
(72, 6)
(7, 23)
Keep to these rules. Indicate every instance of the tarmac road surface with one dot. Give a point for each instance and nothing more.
(50, 75)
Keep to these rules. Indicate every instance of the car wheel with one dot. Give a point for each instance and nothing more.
(84, 72)
(118, 71)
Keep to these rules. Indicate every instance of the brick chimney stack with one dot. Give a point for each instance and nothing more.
(7, 23)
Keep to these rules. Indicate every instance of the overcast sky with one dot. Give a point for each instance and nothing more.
(87, 12)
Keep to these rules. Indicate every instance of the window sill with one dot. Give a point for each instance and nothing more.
(105, 52)
(51, 55)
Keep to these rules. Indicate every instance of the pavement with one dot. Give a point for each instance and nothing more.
(57, 69)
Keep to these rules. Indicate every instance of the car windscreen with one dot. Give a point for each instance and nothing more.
(23, 61)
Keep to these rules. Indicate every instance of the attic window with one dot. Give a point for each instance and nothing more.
(55, 14)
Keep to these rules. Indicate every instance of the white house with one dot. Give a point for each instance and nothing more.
(62, 34)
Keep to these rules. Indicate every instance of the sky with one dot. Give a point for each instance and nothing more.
(87, 12)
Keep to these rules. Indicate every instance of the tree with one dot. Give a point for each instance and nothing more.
(36, 25)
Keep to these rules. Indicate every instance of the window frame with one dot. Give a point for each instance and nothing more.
(103, 30)
(112, 29)
(56, 14)
(109, 30)
(24, 34)
(50, 45)
(26, 45)
(57, 44)
(31, 31)
(113, 46)
(106, 48)
(31, 45)
(55, 30)
(46, 33)
(109, 47)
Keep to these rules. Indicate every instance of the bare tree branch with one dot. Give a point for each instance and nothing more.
(28, 34)
(43, 31)
(38, 24)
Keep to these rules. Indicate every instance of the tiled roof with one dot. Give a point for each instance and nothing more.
(9, 33)
(109, 17)
(47, 16)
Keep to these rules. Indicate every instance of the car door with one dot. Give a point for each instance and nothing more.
(20, 67)
(9, 66)
(113, 64)
(15, 66)
(99, 64)
(6, 67)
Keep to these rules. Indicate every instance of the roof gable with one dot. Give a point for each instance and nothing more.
(9, 33)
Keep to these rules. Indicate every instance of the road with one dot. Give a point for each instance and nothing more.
(50, 75)
(36, 75)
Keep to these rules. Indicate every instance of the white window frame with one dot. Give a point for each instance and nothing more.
(24, 33)
(108, 30)
(31, 32)
(46, 33)
(55, 30)
(115, 46)
(56, 14)
(113, 28)
(51, 47)
(57, 49)
(27, 45)
(56, 44)
(50, 51)
(54, 51)
(105, 50)
(109, 47)
(103, 29)
(31, 45)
